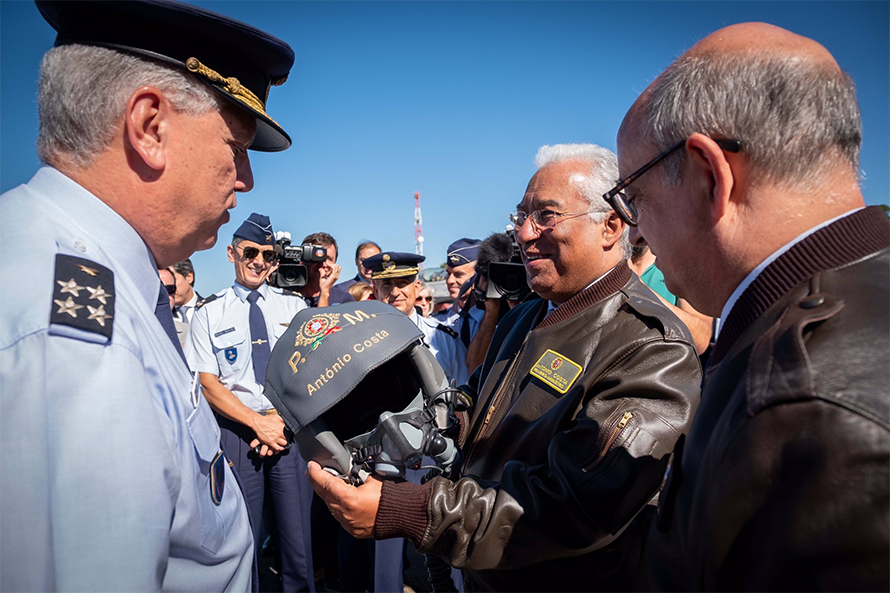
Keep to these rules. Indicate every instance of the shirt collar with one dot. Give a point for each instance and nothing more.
(119, 241)
(242, 291)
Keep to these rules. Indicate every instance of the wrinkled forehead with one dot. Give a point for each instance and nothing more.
(554, 186)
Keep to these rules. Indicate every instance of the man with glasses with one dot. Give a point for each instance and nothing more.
(232, 335)
(168, 279)
(753, 208)
(577, 406)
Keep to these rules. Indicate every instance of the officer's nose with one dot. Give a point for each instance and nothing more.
(244, 174)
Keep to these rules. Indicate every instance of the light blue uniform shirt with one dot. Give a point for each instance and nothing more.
(105, 484)
(448, 350)
(219, 340)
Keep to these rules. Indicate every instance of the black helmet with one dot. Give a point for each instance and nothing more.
(360, 390)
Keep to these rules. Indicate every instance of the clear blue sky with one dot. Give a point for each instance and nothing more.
(452, 100)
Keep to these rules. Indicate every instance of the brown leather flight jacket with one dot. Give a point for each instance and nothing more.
(575, 416)
(783, 483)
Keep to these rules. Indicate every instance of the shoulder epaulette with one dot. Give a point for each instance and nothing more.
(289, 292)
(447, 330)
(83, 296)
(203, 302)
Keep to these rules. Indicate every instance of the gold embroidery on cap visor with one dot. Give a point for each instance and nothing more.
(394, 273)
(230, 85)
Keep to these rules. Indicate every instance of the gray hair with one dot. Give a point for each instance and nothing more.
(599, 178)
(796, 119)
(83, 91)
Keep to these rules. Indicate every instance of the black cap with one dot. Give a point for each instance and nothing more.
(326, 353)
(463, 251)
(239, 61)
(393, 264)
(257, 228)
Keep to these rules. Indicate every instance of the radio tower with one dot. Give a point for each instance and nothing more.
(418, 227)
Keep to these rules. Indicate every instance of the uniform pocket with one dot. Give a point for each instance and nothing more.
(204, 433)
(231, 350)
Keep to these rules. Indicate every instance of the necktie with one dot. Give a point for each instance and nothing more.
(259, 339)
(165, 316)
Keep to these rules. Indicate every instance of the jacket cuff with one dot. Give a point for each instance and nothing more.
(403, 511)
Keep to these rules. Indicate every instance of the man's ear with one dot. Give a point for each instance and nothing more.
(190, 278)
(146, 120)
(613, 228)
(710, 164)
(231, 252)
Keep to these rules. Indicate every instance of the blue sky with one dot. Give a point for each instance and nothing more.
(452, 99)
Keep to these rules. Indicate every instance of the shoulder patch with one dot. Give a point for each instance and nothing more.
(447, 330)
(83, 295)
(203, 302)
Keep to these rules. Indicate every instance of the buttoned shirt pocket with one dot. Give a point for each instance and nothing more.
(231, 350)
(205, 437)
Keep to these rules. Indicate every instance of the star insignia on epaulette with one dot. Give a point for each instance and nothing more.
(98, 314)
(92, 290)
(87, 270)
(99, 294)
(70, 286)
(69, 306)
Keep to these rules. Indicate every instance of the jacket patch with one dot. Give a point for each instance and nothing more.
(556, 370)
(83, 295)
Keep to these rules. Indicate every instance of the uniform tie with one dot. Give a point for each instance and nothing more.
(165, 316)
(259, 339)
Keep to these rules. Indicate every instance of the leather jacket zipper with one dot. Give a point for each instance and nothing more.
(613, 436)
(505, 386)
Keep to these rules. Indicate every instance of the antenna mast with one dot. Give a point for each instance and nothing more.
(418, 227)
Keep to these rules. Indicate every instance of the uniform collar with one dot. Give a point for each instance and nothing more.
(242, 291)
(131, 255)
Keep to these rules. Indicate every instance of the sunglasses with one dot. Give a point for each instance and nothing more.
(428, 299)
(171, 289)
(249, 253)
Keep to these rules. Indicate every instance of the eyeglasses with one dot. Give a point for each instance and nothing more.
(171, 289)
(249, 253)
(624, 206)
(542, 219)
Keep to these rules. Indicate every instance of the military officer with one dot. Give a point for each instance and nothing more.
(232, 335)
(461, 266)
(116, 481)
(395, 281)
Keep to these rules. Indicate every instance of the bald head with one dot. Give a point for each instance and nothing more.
(783, 96)
(762, 37)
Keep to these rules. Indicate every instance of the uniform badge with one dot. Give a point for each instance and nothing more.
(556, 370)
(231, 354)
(218, 477)
(83, 296)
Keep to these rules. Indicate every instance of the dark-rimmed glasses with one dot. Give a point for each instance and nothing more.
(249, 253)
(624, 207)
(542, 219)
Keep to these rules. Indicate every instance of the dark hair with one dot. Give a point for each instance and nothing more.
(364, 244)
(323, 239)
(184, 268)
(496, 248)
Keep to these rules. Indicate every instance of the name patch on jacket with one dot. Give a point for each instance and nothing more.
(556, 370)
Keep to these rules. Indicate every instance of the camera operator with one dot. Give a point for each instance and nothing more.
(322, 274)
(499, 286)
